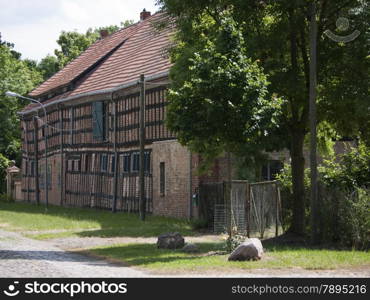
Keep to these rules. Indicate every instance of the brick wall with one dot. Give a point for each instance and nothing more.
(175, 201)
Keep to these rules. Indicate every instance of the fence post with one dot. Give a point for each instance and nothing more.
(277, 196)
(227, 201)
(248, 208)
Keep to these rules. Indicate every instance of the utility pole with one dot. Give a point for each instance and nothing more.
(142, 146)
(229, 209)
(313, 135)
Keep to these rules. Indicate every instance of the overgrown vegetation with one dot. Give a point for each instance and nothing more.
(234, 241)
(4, 163)
(344, 198)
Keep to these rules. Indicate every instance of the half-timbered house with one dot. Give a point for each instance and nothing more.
(91, 130)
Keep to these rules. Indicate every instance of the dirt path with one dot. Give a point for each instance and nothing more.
(71, 243)
(24, 257)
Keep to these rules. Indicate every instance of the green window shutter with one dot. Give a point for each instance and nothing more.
(98, 120)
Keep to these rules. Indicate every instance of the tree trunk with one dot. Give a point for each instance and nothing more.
(296, 153)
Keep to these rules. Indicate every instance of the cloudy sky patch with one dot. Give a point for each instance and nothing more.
(34, 25)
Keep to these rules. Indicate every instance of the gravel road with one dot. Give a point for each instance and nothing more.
(23, 257)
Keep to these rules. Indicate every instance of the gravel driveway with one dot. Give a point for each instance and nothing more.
(23, 257)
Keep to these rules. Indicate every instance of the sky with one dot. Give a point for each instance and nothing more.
(34, 25)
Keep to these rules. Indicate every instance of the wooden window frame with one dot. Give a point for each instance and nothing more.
(104, 163)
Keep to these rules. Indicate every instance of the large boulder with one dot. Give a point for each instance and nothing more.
(250, 249)
(171, 240)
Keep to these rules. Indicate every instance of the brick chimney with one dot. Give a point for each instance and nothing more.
(103, 33)
(144, 15)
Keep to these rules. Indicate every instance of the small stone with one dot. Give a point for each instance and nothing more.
(250, 249)
(171, 240)
(190, 248)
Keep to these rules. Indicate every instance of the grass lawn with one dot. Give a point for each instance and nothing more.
(62, 222)
(149, 257)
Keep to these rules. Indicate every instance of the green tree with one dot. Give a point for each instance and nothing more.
(18, 76)
(277, 34)
(48, 66)
(205, 117)
(15, 54)
(72, 44)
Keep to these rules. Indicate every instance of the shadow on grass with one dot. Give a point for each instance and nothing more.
(148, 254)
(84, 221)
(290, 241)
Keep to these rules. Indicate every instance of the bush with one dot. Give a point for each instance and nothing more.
(343, 196)
(6, 198)
(234, 241)
(4, 163)
(345, 217)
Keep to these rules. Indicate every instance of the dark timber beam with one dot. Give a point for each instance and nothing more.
(142, 145)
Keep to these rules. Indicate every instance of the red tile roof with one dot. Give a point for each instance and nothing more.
(140, 50)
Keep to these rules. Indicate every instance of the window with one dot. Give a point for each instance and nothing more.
(104, 163)
(126, 163)
(131, 162)
(113, 164)
(147, 161)
(32, 171)
(135, 162)
(271, 169)
(71, 124)
(162, 178)
(76, 165)
(99, 120)
(69, 165)
(87, 162)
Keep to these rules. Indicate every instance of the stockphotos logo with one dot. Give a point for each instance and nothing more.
(70, 289)
(342, 25)
(12, 291)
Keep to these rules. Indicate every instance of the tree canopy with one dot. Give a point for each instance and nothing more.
(15, 75)
(221, 103)
(276, 35)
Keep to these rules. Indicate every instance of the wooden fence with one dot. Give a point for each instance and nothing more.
(253, 208)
